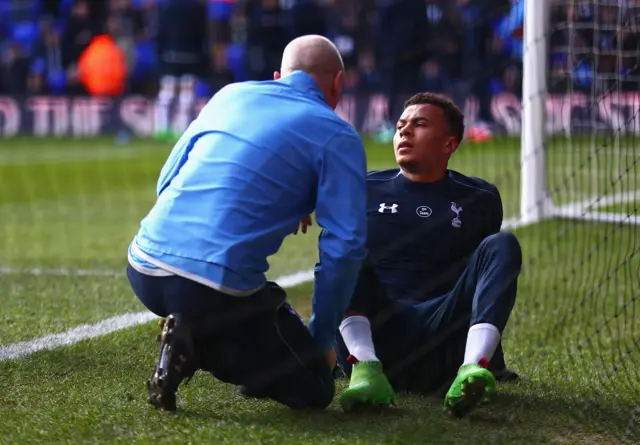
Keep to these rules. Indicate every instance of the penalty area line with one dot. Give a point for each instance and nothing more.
(109, 325)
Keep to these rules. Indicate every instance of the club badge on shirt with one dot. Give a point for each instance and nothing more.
(456, 221)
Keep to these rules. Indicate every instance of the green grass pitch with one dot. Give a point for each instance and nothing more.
(73, 205)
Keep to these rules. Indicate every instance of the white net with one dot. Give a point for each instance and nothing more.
(585, 271)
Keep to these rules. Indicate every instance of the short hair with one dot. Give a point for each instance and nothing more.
(452, 114)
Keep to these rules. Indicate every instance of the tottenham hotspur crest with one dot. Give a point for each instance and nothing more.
(456, 221)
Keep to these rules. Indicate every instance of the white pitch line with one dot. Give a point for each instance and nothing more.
(61, 272)
(113, 324)
(596, 202)
(610, 217)
(75, 335)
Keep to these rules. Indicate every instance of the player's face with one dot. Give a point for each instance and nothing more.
(422, 138)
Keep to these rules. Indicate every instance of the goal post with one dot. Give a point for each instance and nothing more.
(533, 202)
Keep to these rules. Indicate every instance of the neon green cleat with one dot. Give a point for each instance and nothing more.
(473, 385)
(368, 387)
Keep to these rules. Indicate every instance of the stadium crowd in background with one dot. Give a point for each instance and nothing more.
(395, 47)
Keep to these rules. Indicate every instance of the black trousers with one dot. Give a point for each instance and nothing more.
(258, 341)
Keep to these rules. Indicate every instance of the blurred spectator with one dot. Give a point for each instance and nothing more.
(47, 72)
(401, 35)
(222, 75)
(433, 78)
(126, 25)
(268, 33)
(183, 56)
(368, 77)
(351, 28)
(15, 66)
(79, 30)
(446, 36)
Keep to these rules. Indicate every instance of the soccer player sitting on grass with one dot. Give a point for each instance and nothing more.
(440, 279)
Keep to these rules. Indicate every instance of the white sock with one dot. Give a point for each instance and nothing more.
(482, 341)
(162, 111)
(356, 333)
(185, 103)
(163, 103)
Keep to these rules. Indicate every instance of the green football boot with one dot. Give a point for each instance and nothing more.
(368, 387)
(472, 386)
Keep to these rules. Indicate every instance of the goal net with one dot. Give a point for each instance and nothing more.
(581, 181)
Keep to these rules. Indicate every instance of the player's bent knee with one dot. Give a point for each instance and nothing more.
(508, 246)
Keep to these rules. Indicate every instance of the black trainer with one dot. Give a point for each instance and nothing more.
(505, 375)
(175, 363)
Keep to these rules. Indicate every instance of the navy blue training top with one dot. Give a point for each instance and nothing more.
(421, 235)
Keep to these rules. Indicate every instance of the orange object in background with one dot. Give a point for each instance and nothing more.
(102, 67)
(479, 134)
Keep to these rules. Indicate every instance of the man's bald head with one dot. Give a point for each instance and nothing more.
(317, 56)
(312, 54)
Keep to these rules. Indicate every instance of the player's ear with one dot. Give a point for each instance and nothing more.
(276, 75)
(451, 146)
(338, 81)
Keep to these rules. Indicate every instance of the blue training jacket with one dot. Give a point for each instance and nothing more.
(258, 158)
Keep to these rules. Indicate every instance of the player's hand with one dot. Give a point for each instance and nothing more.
(330, 355)
(304, 224)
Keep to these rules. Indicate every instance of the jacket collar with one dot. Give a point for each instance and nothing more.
(305, 83)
